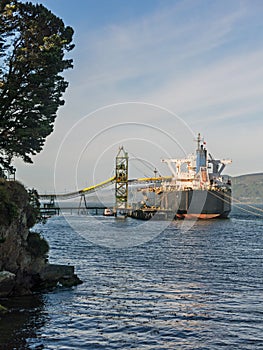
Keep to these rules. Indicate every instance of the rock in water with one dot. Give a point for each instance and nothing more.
(7, 283)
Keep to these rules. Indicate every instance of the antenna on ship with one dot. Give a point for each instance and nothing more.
(198, 140)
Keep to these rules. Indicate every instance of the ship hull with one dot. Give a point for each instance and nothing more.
(198, 204)
(187, 204)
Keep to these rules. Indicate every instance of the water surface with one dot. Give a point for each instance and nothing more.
(199, 288)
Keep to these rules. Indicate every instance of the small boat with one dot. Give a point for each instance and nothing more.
(108, 212)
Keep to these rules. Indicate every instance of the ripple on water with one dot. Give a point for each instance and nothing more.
(195, 289)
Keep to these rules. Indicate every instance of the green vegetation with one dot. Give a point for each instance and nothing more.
(20, 209)
(37, 245)
(33, 209)
(8, 208)
(3, 310)
(248, 188)
(33, 43)
(13, 199)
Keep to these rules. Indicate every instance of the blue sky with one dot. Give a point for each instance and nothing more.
(167, 70)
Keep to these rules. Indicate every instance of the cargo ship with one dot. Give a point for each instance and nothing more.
(196, 190)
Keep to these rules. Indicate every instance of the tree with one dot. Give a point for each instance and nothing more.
(33, 44)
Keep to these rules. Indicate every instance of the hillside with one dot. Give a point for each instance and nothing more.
(248, 188)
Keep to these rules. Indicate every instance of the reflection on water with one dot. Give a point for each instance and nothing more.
(26, 315)
(195, 289)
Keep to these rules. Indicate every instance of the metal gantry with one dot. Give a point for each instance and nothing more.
(121, 180)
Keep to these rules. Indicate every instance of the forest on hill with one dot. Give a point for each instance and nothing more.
(248, 188)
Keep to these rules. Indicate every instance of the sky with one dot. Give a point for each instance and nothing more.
(150, 75)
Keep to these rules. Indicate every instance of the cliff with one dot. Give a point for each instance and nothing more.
(24, 265)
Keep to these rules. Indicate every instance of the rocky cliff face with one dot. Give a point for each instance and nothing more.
(23, 254)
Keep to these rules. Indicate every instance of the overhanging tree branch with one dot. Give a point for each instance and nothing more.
(33, 44)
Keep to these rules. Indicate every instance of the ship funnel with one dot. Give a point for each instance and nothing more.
(201, 155)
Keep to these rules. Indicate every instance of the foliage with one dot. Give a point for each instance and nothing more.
(14, 198)
(33, 208)
(8, 209)
(37, 245)
(33, 43)
(3, 310)
(248, 188)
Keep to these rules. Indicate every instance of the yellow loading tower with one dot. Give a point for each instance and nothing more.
(121, 184)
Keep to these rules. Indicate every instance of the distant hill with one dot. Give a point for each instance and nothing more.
(248, 188)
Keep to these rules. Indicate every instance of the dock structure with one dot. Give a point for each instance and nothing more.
(51, 208)
(196, 189)
(121, 182)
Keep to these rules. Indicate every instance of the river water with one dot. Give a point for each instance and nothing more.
(158, 287)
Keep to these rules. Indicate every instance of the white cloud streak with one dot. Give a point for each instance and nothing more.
(192, 61)
(181, 64)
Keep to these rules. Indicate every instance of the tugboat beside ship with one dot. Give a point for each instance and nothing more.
(108, 212)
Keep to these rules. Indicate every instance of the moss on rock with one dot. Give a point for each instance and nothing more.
(3, 310)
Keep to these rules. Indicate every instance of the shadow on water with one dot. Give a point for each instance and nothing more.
(24, 318)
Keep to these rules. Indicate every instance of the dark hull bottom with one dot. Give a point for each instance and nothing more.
(192, 205)
(201, 216)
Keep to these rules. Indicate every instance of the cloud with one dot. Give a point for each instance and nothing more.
(200, 59)
(225, 85)
(154, 45)
(179, 58)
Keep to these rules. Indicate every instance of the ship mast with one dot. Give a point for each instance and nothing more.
(198, 140)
